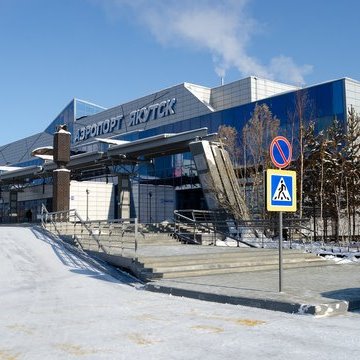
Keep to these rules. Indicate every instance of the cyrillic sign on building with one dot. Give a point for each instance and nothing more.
(136, 117)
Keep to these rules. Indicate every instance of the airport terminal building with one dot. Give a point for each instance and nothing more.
(165, 183)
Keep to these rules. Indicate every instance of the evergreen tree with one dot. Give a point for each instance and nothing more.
(351, 155)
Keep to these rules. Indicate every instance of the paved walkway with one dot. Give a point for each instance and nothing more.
(323, 290)
(326, 290)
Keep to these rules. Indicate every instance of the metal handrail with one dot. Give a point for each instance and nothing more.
(219, 222)
(45, 215)
(93, 228)
(211, 224)
(67, 215)
(188, 220)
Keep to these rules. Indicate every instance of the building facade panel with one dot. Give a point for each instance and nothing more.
(171, 180)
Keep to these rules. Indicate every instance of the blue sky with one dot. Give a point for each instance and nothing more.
(112, 51)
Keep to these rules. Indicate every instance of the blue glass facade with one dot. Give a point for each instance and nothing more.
(83, 108)
(76, 109)
(67, 116)
(324, 103)
(177, 172)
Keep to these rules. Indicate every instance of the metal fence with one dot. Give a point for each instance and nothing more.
(114, 237)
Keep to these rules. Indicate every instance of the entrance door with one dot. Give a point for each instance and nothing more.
(190, 199)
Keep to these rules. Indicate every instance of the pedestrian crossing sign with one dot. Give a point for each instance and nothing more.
(281, 190)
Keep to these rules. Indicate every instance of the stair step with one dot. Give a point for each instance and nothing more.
(242, 269)
(230, 254)
(220, 261)
(217, 263)
(169, 243)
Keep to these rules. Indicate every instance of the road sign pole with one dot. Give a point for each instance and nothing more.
(281, 195)
(280, 251)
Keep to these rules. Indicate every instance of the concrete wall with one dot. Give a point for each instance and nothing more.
(156, 208)
(100, 200)
(245, 91)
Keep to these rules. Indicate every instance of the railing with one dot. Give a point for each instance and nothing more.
(294, 231)
(189, 224)
(113, 237)
(186, 228)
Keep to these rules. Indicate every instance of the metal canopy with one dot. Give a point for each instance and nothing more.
(20, 174)
(129, 153)
(80, 160)
(155, 146)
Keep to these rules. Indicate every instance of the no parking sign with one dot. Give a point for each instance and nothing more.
(280, 152)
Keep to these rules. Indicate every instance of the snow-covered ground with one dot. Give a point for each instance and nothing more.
(339, 254)
(57, 305)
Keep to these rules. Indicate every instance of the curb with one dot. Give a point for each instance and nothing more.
(325, 309)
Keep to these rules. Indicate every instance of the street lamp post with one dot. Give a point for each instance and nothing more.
(87, 204)
(150, 195)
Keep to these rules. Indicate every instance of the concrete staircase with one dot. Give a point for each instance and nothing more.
(159, 255)
(157, 239)
(221, 262)
(111, 239)
(116, 244)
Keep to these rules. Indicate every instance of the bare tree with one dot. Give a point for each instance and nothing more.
(258, 133)
(300, 119)
(228, 136)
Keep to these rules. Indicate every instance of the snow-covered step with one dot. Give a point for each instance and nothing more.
(221, 263)
(226, 270)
